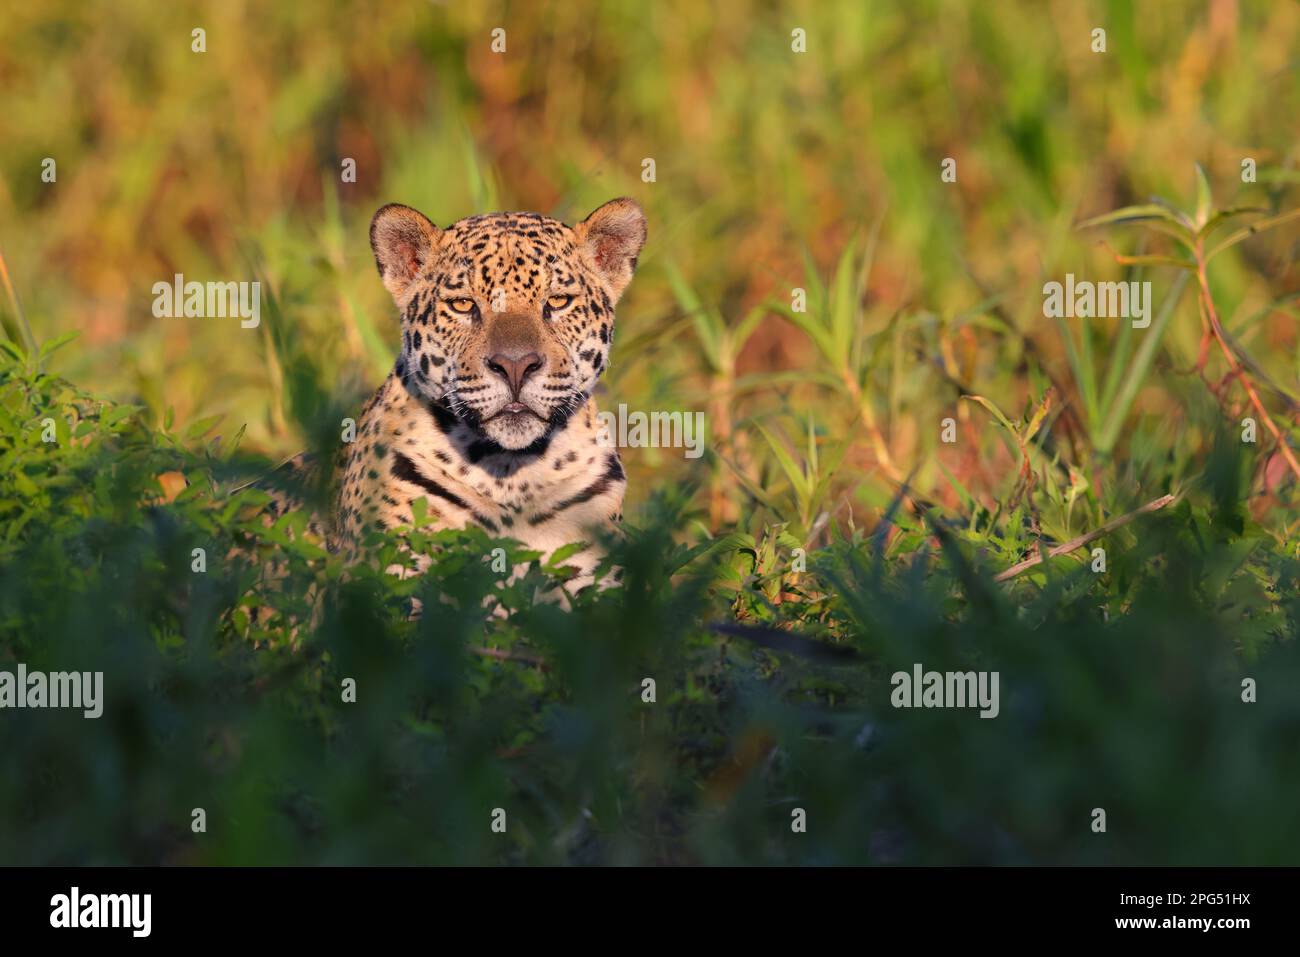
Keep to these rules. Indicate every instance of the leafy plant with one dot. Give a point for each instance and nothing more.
(1194, 233)
(771, 692)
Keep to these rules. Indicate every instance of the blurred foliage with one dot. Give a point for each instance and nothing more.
(1119, 690)
(775, 171)
(771, 165)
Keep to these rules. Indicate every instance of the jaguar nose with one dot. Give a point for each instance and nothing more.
(515, 369)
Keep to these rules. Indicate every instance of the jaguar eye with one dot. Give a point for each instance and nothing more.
(558, 302)
(461, 305)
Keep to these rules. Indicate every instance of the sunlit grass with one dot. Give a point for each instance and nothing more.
(814, 287)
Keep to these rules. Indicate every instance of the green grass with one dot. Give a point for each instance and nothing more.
(1120, 690)
(827, 539)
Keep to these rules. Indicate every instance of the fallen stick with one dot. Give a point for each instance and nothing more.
(1082, 540)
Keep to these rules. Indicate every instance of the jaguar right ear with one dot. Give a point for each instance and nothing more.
(403, 240)
(611, 239)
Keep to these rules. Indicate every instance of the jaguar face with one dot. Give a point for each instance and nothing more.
(507, 319)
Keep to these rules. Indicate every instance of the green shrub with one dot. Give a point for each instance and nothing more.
(1119, 690)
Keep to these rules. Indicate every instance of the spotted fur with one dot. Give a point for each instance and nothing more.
(488, 416)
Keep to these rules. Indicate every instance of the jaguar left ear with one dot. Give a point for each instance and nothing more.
(611, 239)
(403, 240)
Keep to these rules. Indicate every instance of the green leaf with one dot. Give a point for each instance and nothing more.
(57, 343)
(563, 553)
(24, 484)
(710, 328)
(798, 480)
(1251, 230)
(828, 473)
(746, 328)
(203, 426)
(994, 410)
(1135, 214)
(723, 543)
(419, 511)
(1204, 200)
(118, 413)
(844, 300)
(1142, 362)
(1081, 367)
(1223, 215)
(811, 326)
(1002, 419)
(750, 486)
(1044, 406)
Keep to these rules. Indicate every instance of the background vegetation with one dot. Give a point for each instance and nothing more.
(775, 170)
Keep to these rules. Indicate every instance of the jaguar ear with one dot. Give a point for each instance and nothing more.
(611, 239)
(403, 240)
